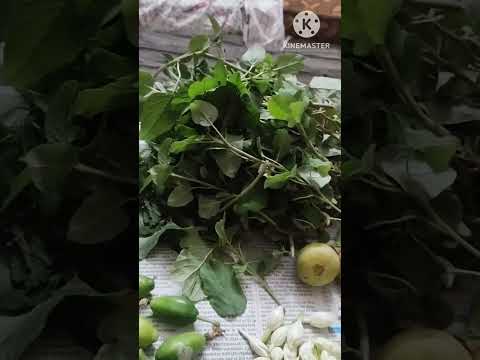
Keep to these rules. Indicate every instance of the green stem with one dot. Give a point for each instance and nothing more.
(325, 199)
(263, 283)
(401, 88)
(275, 69)
(196, 181)
(246, 190)
(171, 62)
(309, 143)
(228, 63)
(214, 323)
(93, 171)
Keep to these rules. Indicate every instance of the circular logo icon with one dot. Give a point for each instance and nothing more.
(306, 24)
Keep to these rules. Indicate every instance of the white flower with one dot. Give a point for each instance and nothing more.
(256, 345)
(279, 336)
(320, 319)
(306, 351)
(276, 354)
(275, 320)
(295, 334)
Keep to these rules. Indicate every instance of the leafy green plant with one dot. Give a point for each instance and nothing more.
(68, 83)
(410, 171)
(232, 151)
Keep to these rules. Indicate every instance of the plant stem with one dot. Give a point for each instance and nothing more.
(309, 143)
(193, 180)
(325, 199)
(447, 230)
(171, 62)
(276, 69)
(391, 222)
(246, 190)
(228, 63)
(93, 171)
(263, 283)
(385, 57)
(214, 323)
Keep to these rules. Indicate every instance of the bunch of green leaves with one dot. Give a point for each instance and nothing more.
(233, 148)
(68, 84)
(411, 135)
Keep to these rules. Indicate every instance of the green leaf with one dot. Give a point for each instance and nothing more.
(282, 143)
(222, 288)
(188, 264)
(100, 218)
(201, 87)
(437, 151)
(155, 119)
(255, 201)
(105, 64)
(180, 196)
(148, 243)
(180, 146)
(289, 63)
(56, 25)
(18, 184)
(50, 164)
(18, 331)
(323, 167)
(130, 19)
(160, 174)
(198, 43)
(314, 177)
(220, 73)
(223, 238)
(410, 173)
(203, 113)
(228, 162)
(208, 206)
(58, 119)
(279, 180)
(376, 17)
(286, 107)
(116, 95)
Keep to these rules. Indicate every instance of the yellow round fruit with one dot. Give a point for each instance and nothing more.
(424, 344)
(318, 264)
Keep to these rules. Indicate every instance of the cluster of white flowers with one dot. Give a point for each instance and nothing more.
(284, 341)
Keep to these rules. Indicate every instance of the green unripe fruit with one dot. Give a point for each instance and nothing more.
(188, 343)
(147, 334)
(174, 310)
(145, 286)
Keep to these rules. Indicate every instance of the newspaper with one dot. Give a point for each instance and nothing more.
(294, 296)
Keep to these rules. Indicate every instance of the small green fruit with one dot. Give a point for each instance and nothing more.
(191, 343)
(145, 286)
(147, 334)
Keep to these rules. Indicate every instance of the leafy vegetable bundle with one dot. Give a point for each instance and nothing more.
(232, 154)
(411, 140)
(68, 98)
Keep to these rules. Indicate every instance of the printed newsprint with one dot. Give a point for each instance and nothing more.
(294, 296)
